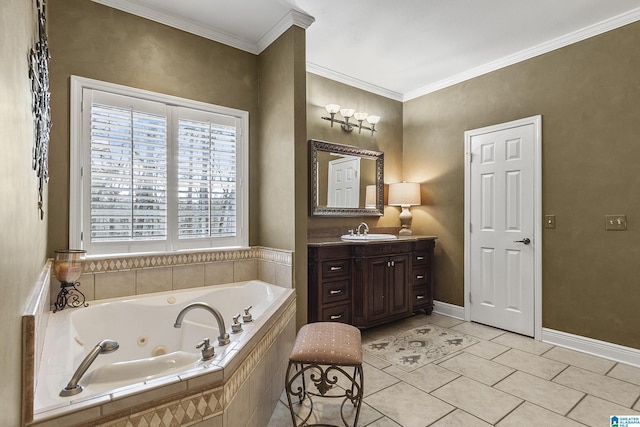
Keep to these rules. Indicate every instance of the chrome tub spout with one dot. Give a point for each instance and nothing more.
(223, 338)
(104, 347)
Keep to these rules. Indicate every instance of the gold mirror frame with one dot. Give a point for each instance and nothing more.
(378, 156)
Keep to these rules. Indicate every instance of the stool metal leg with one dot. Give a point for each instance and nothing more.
(324, 378)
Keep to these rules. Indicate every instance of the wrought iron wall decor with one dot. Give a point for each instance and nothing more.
(39, 74)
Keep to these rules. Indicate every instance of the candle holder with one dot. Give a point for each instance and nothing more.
(67, 267)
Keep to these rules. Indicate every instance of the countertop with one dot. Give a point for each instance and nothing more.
(332, 241)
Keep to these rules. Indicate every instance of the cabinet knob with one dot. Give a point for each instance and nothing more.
(420, 258)
(335, 268)
(420, 276)
(336, 316)
(335, 292)
(419, 296)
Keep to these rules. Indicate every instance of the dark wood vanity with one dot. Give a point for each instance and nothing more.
(370, 283)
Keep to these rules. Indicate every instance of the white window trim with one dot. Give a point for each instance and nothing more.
(78, 84)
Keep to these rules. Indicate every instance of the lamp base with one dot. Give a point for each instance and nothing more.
(405, 232)
(405, 221)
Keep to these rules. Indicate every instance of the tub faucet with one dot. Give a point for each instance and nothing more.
(73, 388)
(223, 339)
(366, 228)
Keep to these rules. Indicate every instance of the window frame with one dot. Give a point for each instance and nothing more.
(79, 158)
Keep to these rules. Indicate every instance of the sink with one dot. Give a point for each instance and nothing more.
(367, 237)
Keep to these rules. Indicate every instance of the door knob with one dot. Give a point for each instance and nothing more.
(526, 241)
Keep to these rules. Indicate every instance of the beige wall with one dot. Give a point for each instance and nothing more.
(98, 42)
(589, 97)
(282, 154)
(23, 234)
(322, 91)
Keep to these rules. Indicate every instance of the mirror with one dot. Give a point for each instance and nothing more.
(345, 180)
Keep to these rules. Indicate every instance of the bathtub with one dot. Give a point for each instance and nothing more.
(152, 351)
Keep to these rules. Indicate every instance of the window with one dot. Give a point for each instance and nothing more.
(155, 173)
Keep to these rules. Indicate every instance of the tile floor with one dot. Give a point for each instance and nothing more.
(503, 380)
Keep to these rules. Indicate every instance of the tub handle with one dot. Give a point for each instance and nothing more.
(236, 326)
(247, 317)
(207, 349)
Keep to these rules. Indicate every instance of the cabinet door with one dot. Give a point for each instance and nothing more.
(399, 285)
(378, 272)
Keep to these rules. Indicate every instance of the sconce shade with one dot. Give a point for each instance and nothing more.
(347, 112)
(370, 196)
(360, 116)
(404, 194)
(332, 108)
(373, 119)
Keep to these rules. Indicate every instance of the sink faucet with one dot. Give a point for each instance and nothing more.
(366, 228)
(73, 388)
(223, 339)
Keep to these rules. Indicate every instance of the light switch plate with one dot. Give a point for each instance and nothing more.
(549, 221)
(615, 222)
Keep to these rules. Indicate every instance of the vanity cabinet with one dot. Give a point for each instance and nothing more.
(368, 284)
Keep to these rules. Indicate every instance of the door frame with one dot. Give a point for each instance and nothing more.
(536, 121)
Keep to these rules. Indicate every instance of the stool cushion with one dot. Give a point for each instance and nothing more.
(328, 343)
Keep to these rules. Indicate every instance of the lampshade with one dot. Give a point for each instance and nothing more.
(404, 194)
(370, 196)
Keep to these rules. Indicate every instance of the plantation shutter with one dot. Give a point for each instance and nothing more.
(128, 169)
(207, 181)
(152, 173)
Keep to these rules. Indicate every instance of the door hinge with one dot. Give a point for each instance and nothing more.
(470, 157)
(470, 298)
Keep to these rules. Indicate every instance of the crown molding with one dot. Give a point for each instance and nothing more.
(351, 81)
(557, 43)
(293, 17)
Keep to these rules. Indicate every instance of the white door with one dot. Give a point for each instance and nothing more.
(503, 210)
(344, 183)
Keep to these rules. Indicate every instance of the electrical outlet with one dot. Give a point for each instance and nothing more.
(549, 221)
(615, 222)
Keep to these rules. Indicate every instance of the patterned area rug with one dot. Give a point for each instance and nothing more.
(419, 346)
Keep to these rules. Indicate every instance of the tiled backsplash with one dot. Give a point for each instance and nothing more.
(134, 275)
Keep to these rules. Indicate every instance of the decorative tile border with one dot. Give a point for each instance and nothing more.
(199, 407)
(124, 263)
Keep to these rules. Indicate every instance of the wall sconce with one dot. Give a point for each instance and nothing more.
(348, 113)
(404, 194)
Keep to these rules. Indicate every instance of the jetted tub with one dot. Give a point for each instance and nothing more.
(151, 348)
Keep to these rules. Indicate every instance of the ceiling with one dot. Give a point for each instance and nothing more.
(399, 49)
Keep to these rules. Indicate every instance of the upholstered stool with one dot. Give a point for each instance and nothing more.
(321, 353)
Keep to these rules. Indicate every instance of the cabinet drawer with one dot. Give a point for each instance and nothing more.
(420, 258)
(338, 313)
(336, 268)
(421, 297)
(335, 291)
(420, 276)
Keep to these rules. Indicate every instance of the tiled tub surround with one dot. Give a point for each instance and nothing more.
(134, 275)
(213, 396)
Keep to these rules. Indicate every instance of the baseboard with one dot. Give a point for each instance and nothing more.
(619, 353)
(448, 309)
